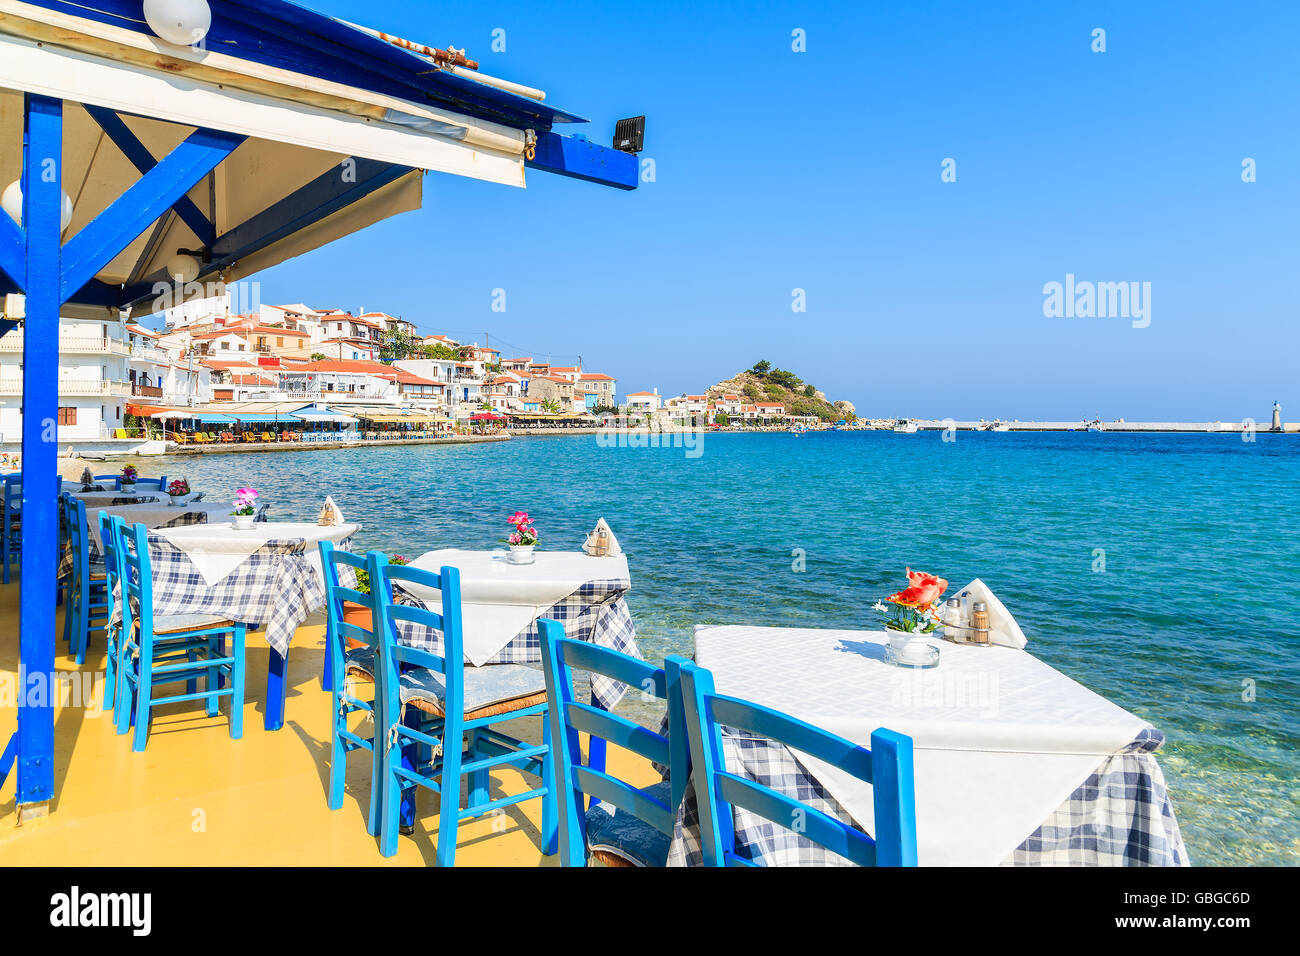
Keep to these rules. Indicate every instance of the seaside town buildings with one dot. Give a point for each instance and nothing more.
(208, 356)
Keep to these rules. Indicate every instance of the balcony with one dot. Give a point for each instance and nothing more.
(150, 354)
(73, 386)
(147, 391)
(69, 344)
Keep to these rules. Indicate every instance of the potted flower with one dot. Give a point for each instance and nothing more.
(245, 510)
(910, 615)
(523, 540)
(358, 614)
(129, 475)
(179, 492)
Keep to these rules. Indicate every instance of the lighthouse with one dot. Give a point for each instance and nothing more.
(1277, 417)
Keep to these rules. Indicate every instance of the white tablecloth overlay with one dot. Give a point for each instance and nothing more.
(498, 599)
(1001, 739)
(217, 549)
(153, 515)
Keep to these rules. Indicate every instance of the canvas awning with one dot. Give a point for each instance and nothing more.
(333, 127)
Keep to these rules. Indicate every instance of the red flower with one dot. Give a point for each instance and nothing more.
(518, 518)
(928, 585)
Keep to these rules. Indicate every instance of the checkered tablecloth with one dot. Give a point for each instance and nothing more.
(277, 587)
(66, 556)
(597, 612)
(1120, 816)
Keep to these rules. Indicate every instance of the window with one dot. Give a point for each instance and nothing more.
(68, 416)
(279, 341)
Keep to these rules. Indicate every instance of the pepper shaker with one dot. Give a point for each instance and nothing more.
(979, 621)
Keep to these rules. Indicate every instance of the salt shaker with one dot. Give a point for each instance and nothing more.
(952, 619)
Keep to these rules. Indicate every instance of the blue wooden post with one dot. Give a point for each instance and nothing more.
(42, 208)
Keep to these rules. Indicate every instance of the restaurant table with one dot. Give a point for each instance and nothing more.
(1016, 764)
(269, 576)
(502, 602)
(149, 512)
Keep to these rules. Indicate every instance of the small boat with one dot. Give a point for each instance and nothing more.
(1095, 425)
(1000, 427)
(904, 427)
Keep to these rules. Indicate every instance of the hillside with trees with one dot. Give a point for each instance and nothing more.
(766, 383)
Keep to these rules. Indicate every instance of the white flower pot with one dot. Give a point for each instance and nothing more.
(243, 522)
(522, 554)
(179, 500)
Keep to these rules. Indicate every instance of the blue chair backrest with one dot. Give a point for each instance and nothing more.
(151, 483)
(115, 479)
(387, 614)
(78, 534)
(887, 766)
(570, 717)
(109, 531)
(339, 630)
(13, 498)
(132, 542)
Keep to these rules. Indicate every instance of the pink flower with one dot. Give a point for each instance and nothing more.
(518, 518)
(515, 539)
(248, 493)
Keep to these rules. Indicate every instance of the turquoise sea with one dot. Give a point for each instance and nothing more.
(1192, 622)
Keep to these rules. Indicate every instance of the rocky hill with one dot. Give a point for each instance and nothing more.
(765, 383)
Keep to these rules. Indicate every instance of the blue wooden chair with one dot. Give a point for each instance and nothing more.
(452, 700)
(629, 826)
(87, 606)
(343, 662)
(114, 480)
(168, 649)
(887, 766)
(112, 565)
(11, 533)
(150, 484)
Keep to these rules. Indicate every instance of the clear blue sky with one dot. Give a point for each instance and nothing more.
(821, 170)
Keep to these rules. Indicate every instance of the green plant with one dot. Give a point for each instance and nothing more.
(363, 576)
(318, 356)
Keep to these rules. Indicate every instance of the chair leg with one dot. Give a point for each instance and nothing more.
(110, 668)
(449, 804)
(143, 699)
(237, 684)
(124, 706)
(392, 792)
(212, 675)
(338, 755)
(478, 779)
(550, 812)
(376, 770)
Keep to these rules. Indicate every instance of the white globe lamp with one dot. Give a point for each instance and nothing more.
(183, 268)
(182, 22)
(12, 201)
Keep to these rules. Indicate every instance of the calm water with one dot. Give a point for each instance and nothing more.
(1198, 602)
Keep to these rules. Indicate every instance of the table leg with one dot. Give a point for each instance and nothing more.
(412, 752)
(276, 672)
(595, 751)
(327, 672)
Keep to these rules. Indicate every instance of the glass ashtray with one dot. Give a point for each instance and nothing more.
(915, 654)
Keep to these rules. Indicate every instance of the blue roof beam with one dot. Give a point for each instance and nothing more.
(583, 159)
(103, 239)
(143, 160)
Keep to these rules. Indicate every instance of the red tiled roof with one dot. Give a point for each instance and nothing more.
(365, 367)
(596, 377)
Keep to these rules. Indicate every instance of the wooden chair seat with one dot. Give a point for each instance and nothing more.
(489, 691)
(174, 623)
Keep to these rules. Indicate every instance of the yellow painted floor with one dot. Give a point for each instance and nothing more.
(196, 797)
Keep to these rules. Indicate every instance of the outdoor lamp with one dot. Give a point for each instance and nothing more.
(183, 22)
(629, 134)
(12, 201)
(183, 267)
